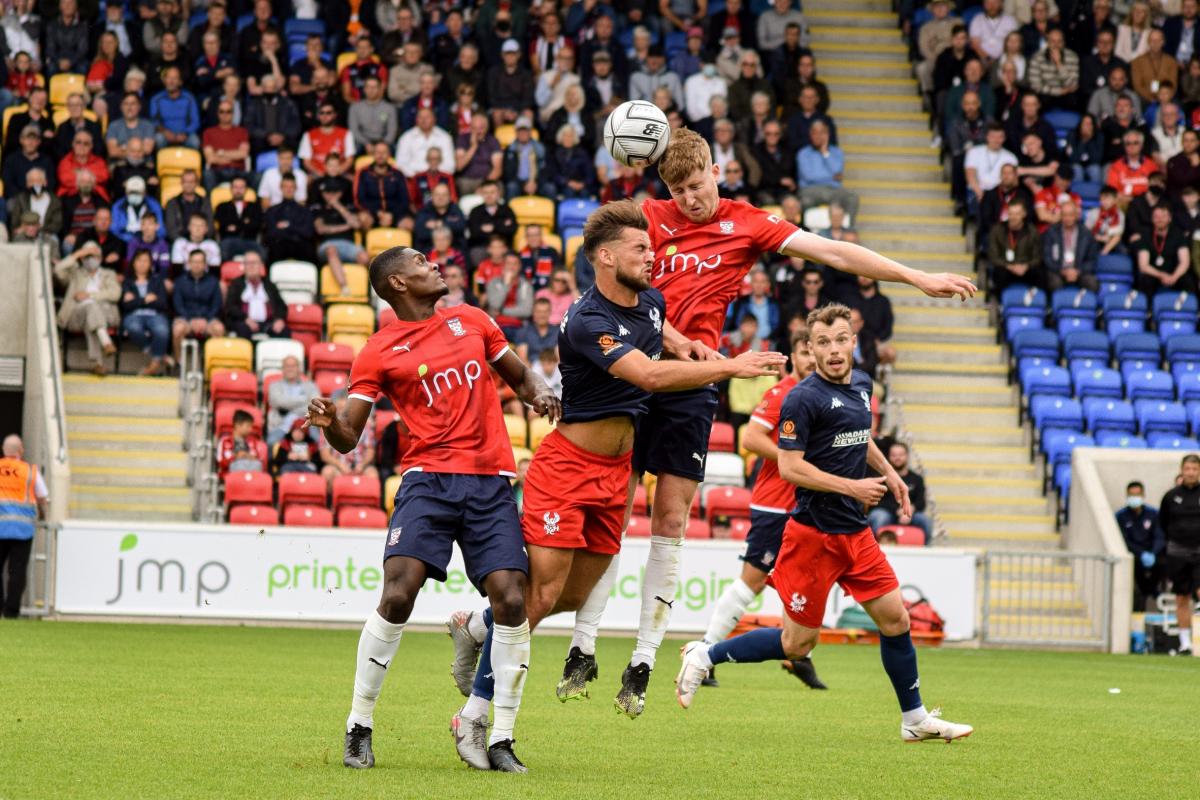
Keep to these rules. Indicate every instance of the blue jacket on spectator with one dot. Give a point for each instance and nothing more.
(377, 192)
(155, 286)
(178, 115)
(1141, 531)
(815, 169)
(120, 218)
(197, 299)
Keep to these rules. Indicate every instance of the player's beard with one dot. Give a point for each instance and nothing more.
(634, 281)
(838, 372)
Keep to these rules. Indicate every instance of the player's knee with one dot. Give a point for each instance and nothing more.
(508, 605)
(894, 624)
(798, 643)
(754, 577)
(396, 604)
(671, 524)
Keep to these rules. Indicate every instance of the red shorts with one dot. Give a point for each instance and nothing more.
(575, 498)
(810, 562)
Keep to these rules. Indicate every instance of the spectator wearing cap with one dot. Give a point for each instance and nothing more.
(81, 159)
(253, 306)
(90, 303)
(605, 88)
(226, 148)
(131, 207)
(381, 190)
(197, 303)
(1153, 68)
(288, 226)
(819, 168)
(524, 162)
(30, 230)
(729, 54)
(654, 74)
(1014, 251)
(175, 113)
(1048, 201)
(604, 41)
(1069, 251)
(372, 118)
(888, 512)
(238, 222)
(510, 86)
(183, 206)
(1163, 256)
(328, 137)
(478, 156)
(771, 28)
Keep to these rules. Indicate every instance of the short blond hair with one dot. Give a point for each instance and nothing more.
(686, 153)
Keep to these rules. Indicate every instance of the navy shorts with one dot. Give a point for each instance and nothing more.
(672, 436)
(434, 510)
(764, 539)
(1183, 570)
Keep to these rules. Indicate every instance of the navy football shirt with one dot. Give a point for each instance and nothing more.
(594, 335)
(831, 423)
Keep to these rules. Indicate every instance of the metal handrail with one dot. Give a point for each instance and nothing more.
(54, 371)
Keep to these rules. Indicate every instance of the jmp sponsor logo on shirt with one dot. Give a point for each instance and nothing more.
(852, 438)
(675, 261)
(448, 379)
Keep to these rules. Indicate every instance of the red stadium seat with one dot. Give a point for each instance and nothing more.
(906, 535)
(362, 517)
(298, 488)
(722, 438)
(356, 490)
(329, 382)
(308, 517)
(695, 511)
(639, 526)
(248, 488)
(268, 378)
(641, 503)
(306, 321)
(230, 271)
(698, 529)
(382, 420)
(732, 501)
(739, 527)
(233, 384)
(223, 417)
(253, 515)
(330, 356)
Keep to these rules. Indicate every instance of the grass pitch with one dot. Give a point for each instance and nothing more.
(162, 711)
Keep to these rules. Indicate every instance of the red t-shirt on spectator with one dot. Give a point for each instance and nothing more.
(230, 138)
(1129, 179)
(1051, 199)
(485, 271)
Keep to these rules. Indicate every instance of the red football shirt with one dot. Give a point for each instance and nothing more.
(771, 492)
(699, 267)
(436, 375)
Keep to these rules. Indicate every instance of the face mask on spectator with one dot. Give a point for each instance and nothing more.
(1135, 501)
(91, 263)
(710, 70)
(135, 198)
(37, 190)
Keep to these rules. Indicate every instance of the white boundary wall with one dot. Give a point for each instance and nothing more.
(324, 575)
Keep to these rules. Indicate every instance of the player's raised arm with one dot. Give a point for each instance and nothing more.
(858, 260)
(530, 387)
(673, 376)
(343, 428)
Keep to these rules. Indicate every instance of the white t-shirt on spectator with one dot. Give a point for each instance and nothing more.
(987, 164)
(414, 145)
(698, 90)
(183, 246)
(991, 31)
(268, 187)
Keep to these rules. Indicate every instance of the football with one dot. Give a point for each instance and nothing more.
(636, 133)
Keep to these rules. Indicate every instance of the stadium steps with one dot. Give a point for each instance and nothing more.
(124, 439)
(950, 382)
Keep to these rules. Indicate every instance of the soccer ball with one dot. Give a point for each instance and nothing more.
(636, 133)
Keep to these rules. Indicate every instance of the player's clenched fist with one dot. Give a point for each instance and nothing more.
(754, 364)
(321, 411)
(868, 491)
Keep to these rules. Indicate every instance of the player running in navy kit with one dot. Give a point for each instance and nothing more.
(825, 447)
(433, 365)
(610, 343)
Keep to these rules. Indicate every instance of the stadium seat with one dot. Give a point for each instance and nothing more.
(1100, 382)
(539, 429)
(1017, 324)
(295, 277)
(300, 488)
(1117, 327)
(1103, 414)
(1114, 265)
(1062, 480)
(1122, 440)
(9, 113)
(380, 239)
(573, 213)
(1054, 381)
(1175, 306)
(253, 515)
(1022, 301)
(1131, 306)
(266, 160)
(343, 59)
(1036, 344)
(1150, 384)
(355, 319)
(176, 160)
(65, 84)
(362, 517)
(1168, 441)
(248, 488)
(306, 322)
(329, 382)
(1073, 303)
(518, 429)
(1187, 386)
(1068, 325)
(1155, 416)
(233, 385)
(330, 356)
(731, 501)
(230, 272)
(639, 527)
(571, 248)
(1060, 413)
(222, 352)
(357, 285)
(1058, 445)
(641, 500)
(270, 353)
(223, 417)
(223, 193)
(1085, 344)
(1183, 349)
(551, 240)
(390, 488)
(356, 490)
(739, 529)
(531, 209)
(469, 202)
(298, 30)
(721, 438)
(308, 517)
(1137, 347)
(1169, 329)
(697, 529)
(724, 468)
(906, 535)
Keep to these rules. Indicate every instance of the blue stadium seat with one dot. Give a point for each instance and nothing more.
(1060, 413)
(1103, 414)
(1054, 381)
(1118, 439)
(1035, 343)
(1022, 301)
(265, 160)
(675, 43)
(573, 213)
(1062, 481)
(1183, 350)
(1187, 386)
(1169, 329)
(1158, 417)
(1062, 121)
(1128, 368)
(298, 30)
(1151, 384)
(1115, 284)
(1068, 325)
(1100, 382)
(1180, 306)
(1116, 327)
(1014, 325)
(1086, 344)
(1088, 191)
(1167, 441)
(1114, 264)
(1131, 306)
(1073, 303)
(1143, 346)
(1057, 445)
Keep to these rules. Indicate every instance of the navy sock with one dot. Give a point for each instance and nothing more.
(763, 644)
(900, 663)
(485, 682)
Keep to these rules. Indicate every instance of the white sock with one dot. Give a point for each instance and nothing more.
(1185, 638)
(476, 707)
(476, 627)
(376, 649)
(587, 618)
(658, 593)
(510, 663)
(914, 716)
(729, 609)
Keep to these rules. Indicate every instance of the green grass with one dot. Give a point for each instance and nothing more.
(161, 711)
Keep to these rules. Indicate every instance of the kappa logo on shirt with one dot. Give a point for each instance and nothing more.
(456, 326)
(622, 330)
(609, 345)
(836, 404)
(787, 430)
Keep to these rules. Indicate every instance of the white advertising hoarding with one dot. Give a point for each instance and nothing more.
(232, 572)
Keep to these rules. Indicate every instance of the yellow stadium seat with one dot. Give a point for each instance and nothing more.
(390, 487)
(380, 239)
(65, 84)
(227, 353)
(172, 186)
(573, 245)
(518, 429)
(507, 134)
(345, 59)
(551, 239)
(530, 209)
(354, 340)
(776, 210)
(174, 160)
(539, 428)
(357, 285)
(221, 193)
(60, 116)
(9, 113)
(521, 454)
(650, 482)
(352, 318)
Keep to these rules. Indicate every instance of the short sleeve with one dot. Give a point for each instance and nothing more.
(365, 380)
(769, 232)
(595, 337)
(494, 341)
(796, 418)
(766, 413)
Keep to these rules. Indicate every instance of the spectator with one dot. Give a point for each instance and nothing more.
(254, 308)
(750, 82)
(759, 304)
(336, 226)
(687, 62)
(458, 293)
(569, 171)
(359, 461)
(1085, 151)
(539, 261)
(144, 311)
(413, 146)
(537, 333)
(968, 131)
(1144, 540)
(1130, 175)
(421, 184)
(37, 200)
(68, 40)
(1048, 201)
(90, 303)
(1189, 85)
(30, 231)
(23, 78)
(1084, 31)
(183, 206)
(1179, 518)
(366, 64)
(1094, 68)
(1069, 252)
(814, 295)
(17, 165)
(1153, 68)
(149, 238)
(226, 148)
(112, 247)
(933, 38)
(197, 302)
(404, 77)
(1164, 97)
(288, 226)
(1106, 222)
(239, 222)
(799, 123)
(972, 82)
(561, 293)
(1122, 121)
(877, 315)
(440, 211)
(1168, 134)
(553, 83)
(266, 63)
(888, 512)
(270, 192)
(1029, 120)
(38, 115)
(488, 219)
(491, 265)
(197, 238)
(81, 159)
(287, 399)
(381, 190)
(820, 167)
(175, 113)
(742, 338)
(950, 67)
(135, 204)
(1163, 257)
(772, 24)
(478, 156)
(135, 165)
(1133, 34)
(524, 162)
(426, 97)
(328, 137)
(654, 74)
(777, 163)
(1103, 102)
(1183, 169)
(865, 357)
(989, 29)
(241, 450)
(25, 499)
(272, 118)
(726, 150)
(212, 65)
(1015, 251)
(839, 230)
(573, 112)
(700, 88)
(1054, 71)
(372, 118)
(79, 211)
(510, 86)
(509, 296)
(296, 451)
(64, 136)
(1035, 32)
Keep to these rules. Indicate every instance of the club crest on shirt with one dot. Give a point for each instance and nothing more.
(550, 522)
(656, 319)
(456, 326)
(866, 398)
(787, 430)
(394, 536)
(726, 226)
(609, 345)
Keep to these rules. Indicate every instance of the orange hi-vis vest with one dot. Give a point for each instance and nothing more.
(18, 500)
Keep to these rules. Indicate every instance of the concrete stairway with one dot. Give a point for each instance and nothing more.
(950, 379)
(125, 442)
